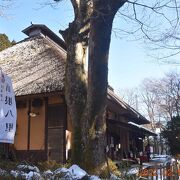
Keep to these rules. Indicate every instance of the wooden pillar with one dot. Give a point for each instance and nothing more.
(29, 125)
(46, 127)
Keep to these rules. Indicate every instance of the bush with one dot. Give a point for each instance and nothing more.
(51, 164)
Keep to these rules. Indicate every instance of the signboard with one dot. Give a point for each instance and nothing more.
(7, 110)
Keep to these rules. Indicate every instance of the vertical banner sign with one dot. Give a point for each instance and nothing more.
(7, 110)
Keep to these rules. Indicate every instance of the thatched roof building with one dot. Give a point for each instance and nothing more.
(36, 64)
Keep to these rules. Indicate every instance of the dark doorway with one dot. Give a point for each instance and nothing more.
(56, 132)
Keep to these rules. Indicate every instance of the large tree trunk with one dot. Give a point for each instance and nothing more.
(94, 126)
(75, 91)
(76, 38)
(87, 102)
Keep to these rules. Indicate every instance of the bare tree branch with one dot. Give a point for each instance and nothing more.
(4, 5)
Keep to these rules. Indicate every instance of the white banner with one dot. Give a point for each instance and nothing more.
(7, 110)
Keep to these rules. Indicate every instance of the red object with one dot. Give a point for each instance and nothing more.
(143, 158)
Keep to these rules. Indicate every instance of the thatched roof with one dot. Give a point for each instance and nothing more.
(128, 111)
(36, 65)
(43, 29)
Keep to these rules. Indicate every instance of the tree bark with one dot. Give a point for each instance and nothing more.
(76, 38)
(94, 120)
(86, 101)
(75, 91)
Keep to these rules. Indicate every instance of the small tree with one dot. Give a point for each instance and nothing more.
(171, 132)
(5, 42)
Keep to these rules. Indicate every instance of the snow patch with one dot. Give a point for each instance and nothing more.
(28, 168)
(3, 172)
(94, 178)
(77, 172)
(33, 175)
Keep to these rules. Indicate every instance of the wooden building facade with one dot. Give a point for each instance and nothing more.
(125, 133)
(41, 128)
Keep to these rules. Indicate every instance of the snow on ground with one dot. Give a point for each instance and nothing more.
(24, 171)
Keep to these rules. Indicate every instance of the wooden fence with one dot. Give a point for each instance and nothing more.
(160, 172)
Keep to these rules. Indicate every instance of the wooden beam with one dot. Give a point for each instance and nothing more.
(29, 125)
(46, 127)
(64, 134)
(40, 95)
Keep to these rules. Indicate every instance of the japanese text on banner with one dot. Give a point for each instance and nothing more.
(7, 110)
